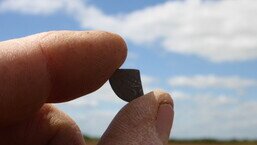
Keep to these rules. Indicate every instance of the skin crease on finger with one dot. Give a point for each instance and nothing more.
(54, 67)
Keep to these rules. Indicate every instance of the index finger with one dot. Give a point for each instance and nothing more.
(54, 67)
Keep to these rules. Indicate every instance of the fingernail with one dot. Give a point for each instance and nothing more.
(164, 122)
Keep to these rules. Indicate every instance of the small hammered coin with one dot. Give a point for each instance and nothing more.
(126, 83)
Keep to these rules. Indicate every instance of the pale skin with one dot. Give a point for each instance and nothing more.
(60, 66)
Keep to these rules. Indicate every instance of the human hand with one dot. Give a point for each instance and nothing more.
(60, 66)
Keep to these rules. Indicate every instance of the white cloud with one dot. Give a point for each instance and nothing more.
(95, 122)
(223, 31)
(149, 83)
(95, 111)
(217, 31)
(32, 6)
(212, 81)
(215, 116)
(179, 95)
(92, 121)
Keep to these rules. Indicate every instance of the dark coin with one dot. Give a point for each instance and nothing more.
(126, 83)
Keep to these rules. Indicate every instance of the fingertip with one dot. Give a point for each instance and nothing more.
(163, 97)
(118, 43)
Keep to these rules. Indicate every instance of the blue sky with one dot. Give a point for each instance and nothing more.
(204, 53)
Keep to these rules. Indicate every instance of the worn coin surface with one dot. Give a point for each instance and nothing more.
(126, 83)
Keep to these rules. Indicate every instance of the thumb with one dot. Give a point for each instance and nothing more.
(146, 120)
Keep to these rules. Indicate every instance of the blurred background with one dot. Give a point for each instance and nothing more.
(204, 52)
